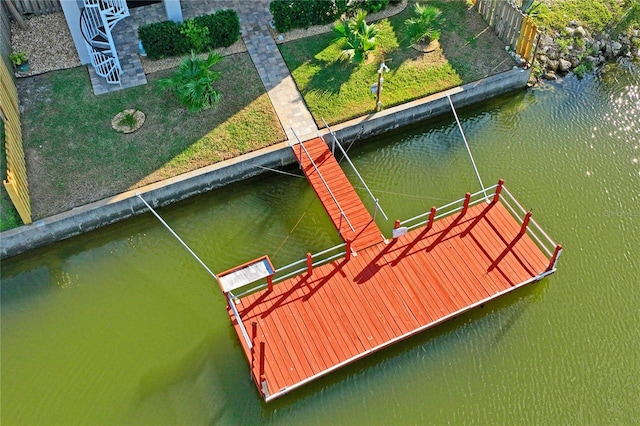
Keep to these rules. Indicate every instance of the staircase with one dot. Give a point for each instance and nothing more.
(97, 20)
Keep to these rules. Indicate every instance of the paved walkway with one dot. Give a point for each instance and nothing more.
(255, 19)
(284, 95)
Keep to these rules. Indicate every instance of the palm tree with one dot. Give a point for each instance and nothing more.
(424, 26)
(193, 82)
(359, 37)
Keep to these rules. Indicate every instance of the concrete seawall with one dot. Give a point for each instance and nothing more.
(122, 206)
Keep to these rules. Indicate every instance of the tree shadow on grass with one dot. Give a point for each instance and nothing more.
(469, 44)
(74, 157)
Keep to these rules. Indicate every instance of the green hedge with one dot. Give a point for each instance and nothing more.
(291, 14)
(162, 39)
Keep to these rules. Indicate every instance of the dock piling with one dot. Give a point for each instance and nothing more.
(525, 223)
(309, 264)
(496, 196)
(465, 206)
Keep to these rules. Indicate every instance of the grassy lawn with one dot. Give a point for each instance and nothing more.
(75, 157)
(339, 91)
(594, 15)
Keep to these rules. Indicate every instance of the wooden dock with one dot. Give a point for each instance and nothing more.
(333, 314)
(340, 200)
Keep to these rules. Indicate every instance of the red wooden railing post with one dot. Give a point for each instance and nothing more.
(525, 223)
(496, 196)
(465, 206)
(309, 264)
(270, 282)
(261, 370)
(347, 253)
(254, 334)
(554, 257)
(432, 217)
(396, 225)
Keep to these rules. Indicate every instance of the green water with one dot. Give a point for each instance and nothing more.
(121, 326)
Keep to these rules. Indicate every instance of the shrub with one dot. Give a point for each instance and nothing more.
(424, 24)
(224, 27)
(583, 69)
(193, 82)
(369, 6)
(163, 39)
(359, 37)
(196, 34)
(220, 29)
(291, 14)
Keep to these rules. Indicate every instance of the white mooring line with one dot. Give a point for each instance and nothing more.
(177, 237)
(473, 163)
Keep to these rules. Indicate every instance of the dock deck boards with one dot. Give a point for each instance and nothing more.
(311, 324)
(314, 324)
(366, 231)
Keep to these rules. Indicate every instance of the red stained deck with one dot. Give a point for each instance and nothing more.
(311, 325)
(366, 231)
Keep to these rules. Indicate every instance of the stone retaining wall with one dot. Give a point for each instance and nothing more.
(122, 206)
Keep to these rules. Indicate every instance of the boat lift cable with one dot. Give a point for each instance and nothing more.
(280, 171)
(468, 149)
(293, 229)
(366, 187)
(177, 237)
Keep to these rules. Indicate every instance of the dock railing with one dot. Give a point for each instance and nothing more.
(305, 264)
(292, 269)
(502, 194)
(335, 200)
(337, 143)
(535, 231)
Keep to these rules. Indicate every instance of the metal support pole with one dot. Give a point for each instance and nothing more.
(464, 138)
(177, 237)
(378, 90)
(239, 321)
(381, 70)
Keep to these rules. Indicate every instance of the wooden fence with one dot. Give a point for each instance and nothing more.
(512, 26)
(37, 7)
(5, 33)
(16, 183)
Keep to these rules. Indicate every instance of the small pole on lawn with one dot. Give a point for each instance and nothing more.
(381, 71)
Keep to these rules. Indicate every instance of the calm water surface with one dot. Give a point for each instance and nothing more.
(121, 326)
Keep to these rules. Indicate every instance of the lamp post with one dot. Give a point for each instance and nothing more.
(381, 71)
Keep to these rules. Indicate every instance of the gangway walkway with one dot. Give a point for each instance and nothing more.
(340, 200)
